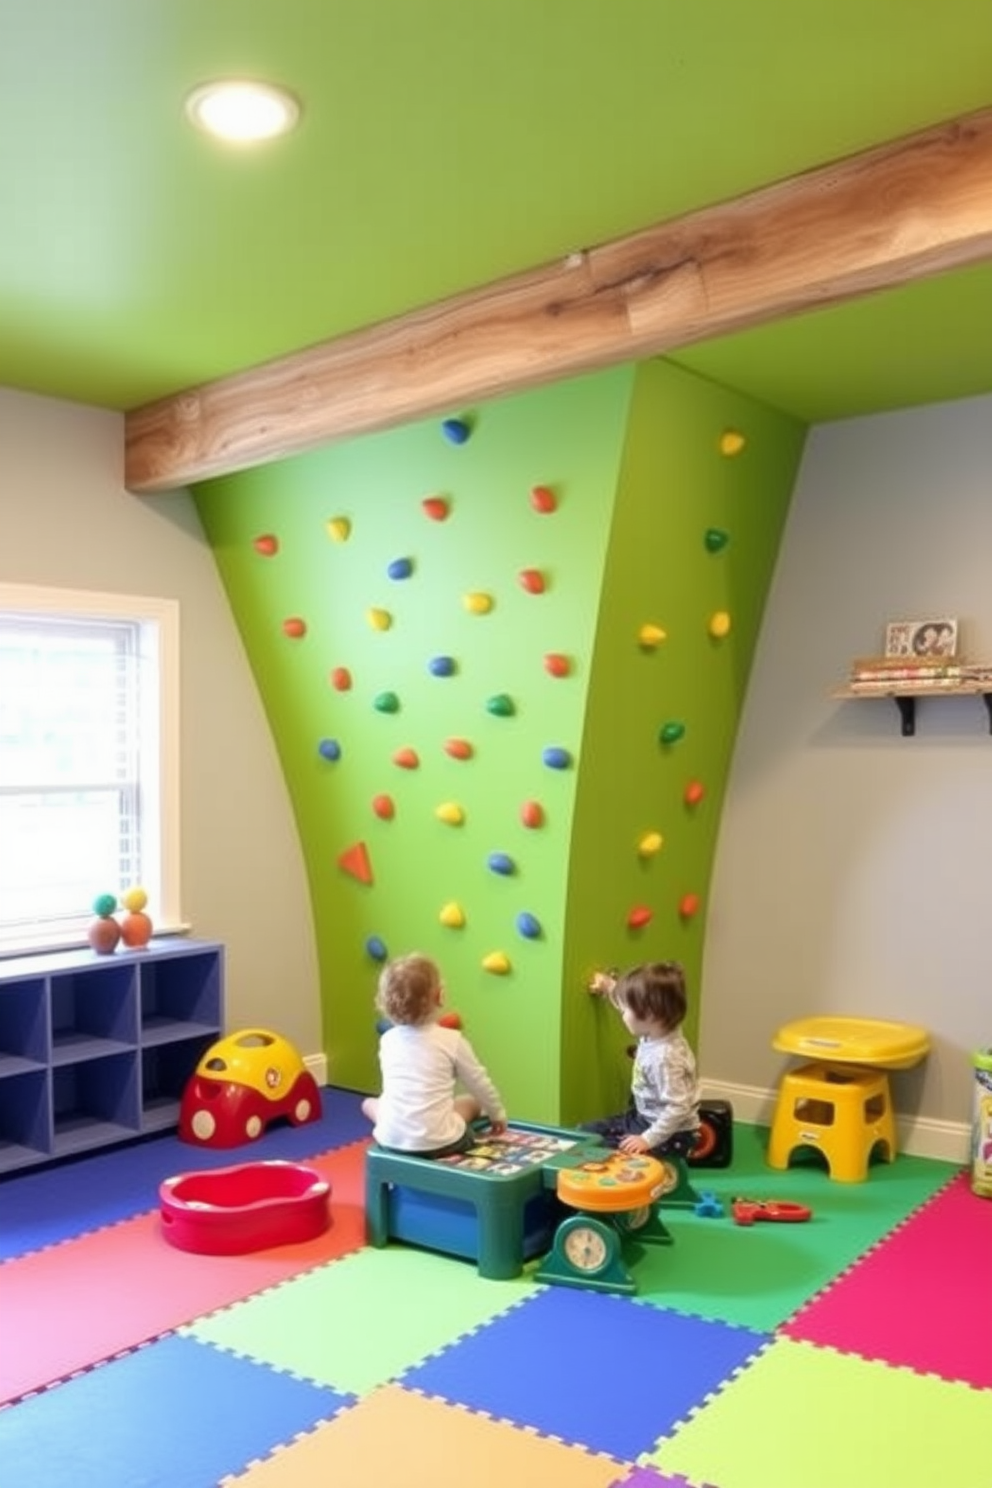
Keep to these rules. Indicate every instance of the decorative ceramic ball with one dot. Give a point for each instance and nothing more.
(136, 930)
(103, 935)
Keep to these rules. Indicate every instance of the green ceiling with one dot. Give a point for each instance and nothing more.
(445, 144)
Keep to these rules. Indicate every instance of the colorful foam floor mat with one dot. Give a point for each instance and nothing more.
(853, 1351)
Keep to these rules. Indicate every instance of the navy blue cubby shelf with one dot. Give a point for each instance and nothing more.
(97, 1049)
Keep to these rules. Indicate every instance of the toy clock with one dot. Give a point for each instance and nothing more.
(587, 1252)
(614, 1197)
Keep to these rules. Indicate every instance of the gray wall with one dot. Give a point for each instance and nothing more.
(852, 871)
(66, 520)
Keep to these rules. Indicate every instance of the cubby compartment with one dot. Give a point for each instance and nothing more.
(179, 997)
(165, 1071)
(23, 1027)
(96, 1049)
(94, 1103)
(93, 1012)
(25, 1125)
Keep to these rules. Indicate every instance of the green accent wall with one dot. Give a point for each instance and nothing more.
(675, 486)
(632, 460)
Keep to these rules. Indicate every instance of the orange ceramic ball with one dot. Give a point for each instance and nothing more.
(136, 929)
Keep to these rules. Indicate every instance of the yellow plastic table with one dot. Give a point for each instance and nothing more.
(871, 1042)
(839, 1102)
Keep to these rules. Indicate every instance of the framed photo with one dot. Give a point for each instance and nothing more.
(921, 638)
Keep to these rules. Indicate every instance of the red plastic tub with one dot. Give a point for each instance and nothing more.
(248, 1207)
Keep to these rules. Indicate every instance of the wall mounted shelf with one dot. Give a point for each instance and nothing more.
(905, 697)
(96, 1049)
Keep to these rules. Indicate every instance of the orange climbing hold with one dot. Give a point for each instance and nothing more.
(355, 860)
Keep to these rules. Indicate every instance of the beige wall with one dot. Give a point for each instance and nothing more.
(66, 520)
(852, 871)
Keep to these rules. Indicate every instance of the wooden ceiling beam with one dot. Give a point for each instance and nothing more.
(902, 211)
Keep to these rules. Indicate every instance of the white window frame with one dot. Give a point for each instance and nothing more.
(159, 622)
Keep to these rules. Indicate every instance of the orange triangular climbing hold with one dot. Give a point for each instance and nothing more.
(355, 860)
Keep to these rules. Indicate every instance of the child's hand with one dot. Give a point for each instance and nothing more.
(602, 983)
(497, 1127)
(634, 1145)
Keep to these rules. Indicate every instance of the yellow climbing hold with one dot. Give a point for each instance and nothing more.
(720, 625)
(651, 635)
(452, 915)
(339, 529)
(650, 843)
(380, 619)
(451, 813)
(732, 441)
(477, 603)
(496, 962)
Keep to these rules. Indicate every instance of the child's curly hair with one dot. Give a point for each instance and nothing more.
(407, 989)
(654, 992)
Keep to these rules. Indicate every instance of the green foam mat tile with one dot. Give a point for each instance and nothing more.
(356, 1323)
(806, 1417)
(757, 1276)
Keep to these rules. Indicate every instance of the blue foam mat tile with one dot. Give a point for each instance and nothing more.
(175, 1414)
(599, 1371)
(43, 1206)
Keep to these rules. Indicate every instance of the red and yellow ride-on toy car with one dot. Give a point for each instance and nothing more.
(242, 1083)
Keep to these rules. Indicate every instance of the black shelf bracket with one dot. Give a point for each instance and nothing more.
(907, 713)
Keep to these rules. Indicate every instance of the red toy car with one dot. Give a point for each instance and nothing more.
(241, 1084)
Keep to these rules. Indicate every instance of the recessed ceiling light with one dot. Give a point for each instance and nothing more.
(242, 112)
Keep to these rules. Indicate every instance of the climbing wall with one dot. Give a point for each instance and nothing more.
(502, 654)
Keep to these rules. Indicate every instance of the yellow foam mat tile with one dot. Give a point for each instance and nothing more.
(395, 1435)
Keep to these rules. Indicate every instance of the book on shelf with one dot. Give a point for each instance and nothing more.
(890, 684)
(924, 673)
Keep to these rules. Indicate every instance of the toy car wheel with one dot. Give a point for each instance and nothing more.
(253, 1127)
(203, 1125)
(301, 1111)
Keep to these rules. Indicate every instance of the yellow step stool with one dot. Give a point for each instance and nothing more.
(839, 1103)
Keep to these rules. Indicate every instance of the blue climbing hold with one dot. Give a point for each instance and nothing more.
(529, 926)
(400, 568)
(376, 948)
(556, 758)
(329, 749)
(456, 430)
(441, 666)
(501, 862)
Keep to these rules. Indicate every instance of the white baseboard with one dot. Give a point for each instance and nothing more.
(317, 1065)
(950, 1141)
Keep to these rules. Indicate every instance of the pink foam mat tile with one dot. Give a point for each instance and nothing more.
(921, 1299)
(66, 1308)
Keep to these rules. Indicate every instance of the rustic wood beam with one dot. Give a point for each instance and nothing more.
(902, 211)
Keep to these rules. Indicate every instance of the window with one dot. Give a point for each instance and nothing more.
(88, 760)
